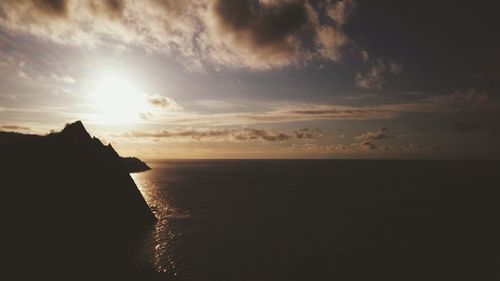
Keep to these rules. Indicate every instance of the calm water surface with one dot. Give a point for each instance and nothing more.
(297, 220)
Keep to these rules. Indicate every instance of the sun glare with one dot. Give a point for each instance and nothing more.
(118, 100)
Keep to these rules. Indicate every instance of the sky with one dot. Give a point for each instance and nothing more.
(186, 79)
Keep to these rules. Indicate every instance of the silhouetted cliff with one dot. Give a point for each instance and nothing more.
(135, 165)
(71, 206)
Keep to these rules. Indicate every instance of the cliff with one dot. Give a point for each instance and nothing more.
(70, 204)
(135, 165)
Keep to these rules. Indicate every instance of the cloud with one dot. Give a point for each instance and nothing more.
(341, 11)
(307, 133)
(364, 147)
(146, 116)
(55, 8)
(372, 78)
(470, 100)
(14, 128)
(200, 134)
(258, 134)
(368, 146)
(114, 9)
(411, 147)
(274, 34)
(377, 135)
(419, 147)
(364, 55)
(261, 30)
(283, 114)
(395, 67)
(234, 134)
(252, 34)
(65, 78)
(458, 102)
(163, 102)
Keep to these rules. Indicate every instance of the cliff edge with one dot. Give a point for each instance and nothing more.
(135, 165)
(70, 204)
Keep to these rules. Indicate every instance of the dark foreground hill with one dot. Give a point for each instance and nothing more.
(135, 165)
(70, 208)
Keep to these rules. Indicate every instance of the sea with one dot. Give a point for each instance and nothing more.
(323, 219)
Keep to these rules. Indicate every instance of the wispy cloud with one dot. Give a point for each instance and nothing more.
(395, 67)
(168, 111)
(220, 134)
(457, 102)
(14, 128)
(163, 102)
(63, 78)
(361, 148)
(377, 135)
(373, 77)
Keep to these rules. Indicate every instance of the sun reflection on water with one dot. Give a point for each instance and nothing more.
(158, 247)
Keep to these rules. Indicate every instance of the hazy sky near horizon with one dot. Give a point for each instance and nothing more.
(257, 78)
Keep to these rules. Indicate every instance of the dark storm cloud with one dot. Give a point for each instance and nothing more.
(234, 134)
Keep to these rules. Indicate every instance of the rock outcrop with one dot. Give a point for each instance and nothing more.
(71, 206)
(135, 165)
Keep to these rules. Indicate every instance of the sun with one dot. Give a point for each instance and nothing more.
(117, 99)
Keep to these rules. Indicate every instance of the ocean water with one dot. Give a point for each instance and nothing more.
(322, 219)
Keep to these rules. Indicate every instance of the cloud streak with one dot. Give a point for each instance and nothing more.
(14, 128)
(457, 102)
(233, 134)
(361, 148)
(377, 135)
